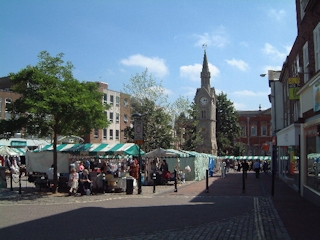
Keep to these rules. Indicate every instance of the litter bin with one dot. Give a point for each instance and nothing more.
(3, 182)
(129, 187)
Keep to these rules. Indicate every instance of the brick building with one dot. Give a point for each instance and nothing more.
(256, 131)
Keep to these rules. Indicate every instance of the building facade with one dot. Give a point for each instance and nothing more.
(205, 99)
(256, 132)
(298, 136)
(119, 115)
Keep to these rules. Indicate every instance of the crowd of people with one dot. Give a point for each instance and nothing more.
(107, 174)
(245, 166)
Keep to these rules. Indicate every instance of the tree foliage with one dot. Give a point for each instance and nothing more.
(54, 103)
(148, 98)
(227, 128)
(186, 129)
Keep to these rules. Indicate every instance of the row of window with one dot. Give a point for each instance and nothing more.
(105, 133)
(111, 117)
(111, 102)
(305, 55)
(253, 131)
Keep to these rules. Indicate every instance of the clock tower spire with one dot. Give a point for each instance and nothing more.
(205, 74)
(205, 100)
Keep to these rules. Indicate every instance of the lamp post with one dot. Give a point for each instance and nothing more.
(273, 76)
(138, 139)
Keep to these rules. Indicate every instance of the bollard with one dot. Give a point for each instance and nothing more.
(207, 181)
(104, 183)
(20, 182)
(175, 181)
(11, 187)
(243, 182)
(154, 178)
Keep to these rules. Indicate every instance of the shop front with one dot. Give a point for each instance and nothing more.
(288, 142)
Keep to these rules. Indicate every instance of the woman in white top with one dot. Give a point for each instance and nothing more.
(73, 181)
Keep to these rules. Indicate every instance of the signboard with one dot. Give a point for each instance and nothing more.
(316, 96)
(138, 131)
(18, 143)
(294, 87)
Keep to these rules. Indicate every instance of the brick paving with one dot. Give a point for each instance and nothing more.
(225, 211)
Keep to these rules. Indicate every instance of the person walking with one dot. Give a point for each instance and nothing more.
(256, 168)
(245, 168)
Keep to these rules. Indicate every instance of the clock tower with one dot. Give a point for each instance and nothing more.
(205, 100)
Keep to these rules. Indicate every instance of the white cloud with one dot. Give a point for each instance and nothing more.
(168, 91)
(155, 65)
(192, 72)
(274, 53)
(240, 64)
(247, 93)
(240, 106)
(277, 14)
(217, 38)
(189, 91)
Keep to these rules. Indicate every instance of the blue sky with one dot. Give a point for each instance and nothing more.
(111, 41)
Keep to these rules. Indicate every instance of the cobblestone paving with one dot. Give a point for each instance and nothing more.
(262, 222)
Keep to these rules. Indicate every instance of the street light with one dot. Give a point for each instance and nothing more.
(272, 77)
(138, 139)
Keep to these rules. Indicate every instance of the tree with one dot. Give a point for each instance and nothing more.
(149, 99)
(228, 128)
(54, 103)
(157, 128)
(186, 129)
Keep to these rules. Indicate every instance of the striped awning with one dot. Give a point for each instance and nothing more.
(98, 149)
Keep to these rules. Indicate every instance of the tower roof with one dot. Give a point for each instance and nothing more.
(205, 67)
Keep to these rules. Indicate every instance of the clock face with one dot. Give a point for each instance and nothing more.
(204, 101)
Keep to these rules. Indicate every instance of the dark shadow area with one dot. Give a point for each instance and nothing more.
(98, 222)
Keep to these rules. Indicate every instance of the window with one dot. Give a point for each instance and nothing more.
(117, 134)
(295, 67)
(253, 130)
(316, 41)
(8, 108)
(204, 114)
(111, 133)
(125, 118)
(303, 5)
(111, 116)
(96, 133)
(125, 103)
(104, 133)
(111, 99)
(243, 131)
(117, 117)
(117, 101)
(105, 97)
(305, 62)
(264, 130)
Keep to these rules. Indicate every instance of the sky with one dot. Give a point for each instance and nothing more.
(112, 41)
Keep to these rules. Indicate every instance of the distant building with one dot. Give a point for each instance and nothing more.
(119, 113)
(256, 131)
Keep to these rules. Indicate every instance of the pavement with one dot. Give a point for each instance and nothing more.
(223, 210)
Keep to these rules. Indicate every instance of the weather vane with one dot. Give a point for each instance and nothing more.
(204, 46)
